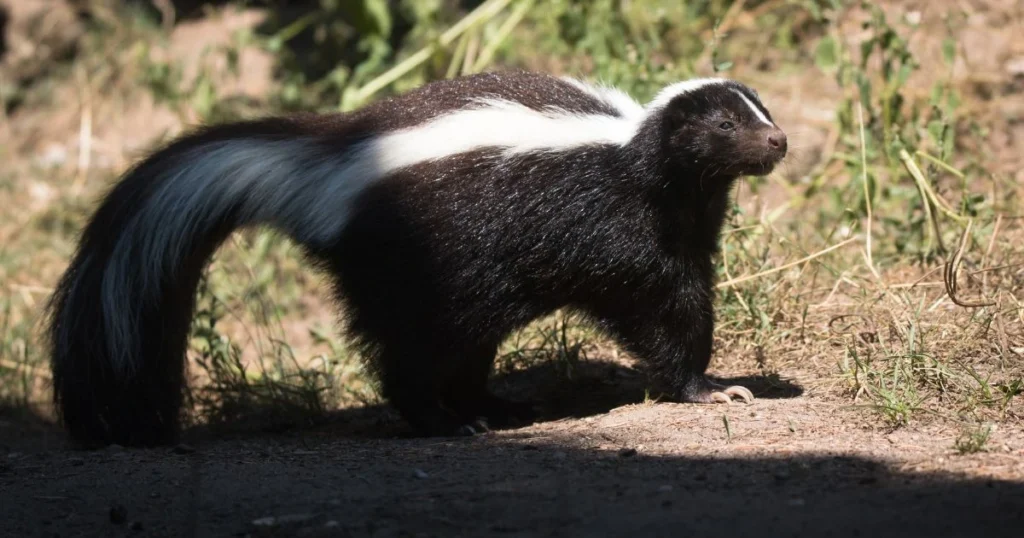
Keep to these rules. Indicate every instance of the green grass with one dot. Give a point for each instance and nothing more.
(845, 263)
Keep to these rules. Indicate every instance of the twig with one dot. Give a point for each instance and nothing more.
(167, 13)
(723, 26)
(867, 190)
(988, 252)
(949, 275)
(996, 268)
(35, 370)
(739, 297)
(734, 281)
(918, 176)
(940, 163)
(84, 134)
(482, 12)
(487, 55)
(472, 49)
(457, 56)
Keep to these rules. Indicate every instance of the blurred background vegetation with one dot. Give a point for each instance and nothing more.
(881, 266)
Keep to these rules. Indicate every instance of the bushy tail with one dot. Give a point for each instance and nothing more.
(120, 316)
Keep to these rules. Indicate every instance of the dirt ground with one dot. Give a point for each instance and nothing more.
(611, 468)
(661, 470)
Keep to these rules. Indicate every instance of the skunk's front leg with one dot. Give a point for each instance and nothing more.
(672, 331)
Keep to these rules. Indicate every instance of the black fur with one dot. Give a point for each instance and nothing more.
(441, 261)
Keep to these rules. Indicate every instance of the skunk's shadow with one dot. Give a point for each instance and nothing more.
(589, 388)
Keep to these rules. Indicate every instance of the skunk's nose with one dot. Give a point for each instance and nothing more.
(777, 140)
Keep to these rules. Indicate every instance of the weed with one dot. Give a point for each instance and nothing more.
(973, 439)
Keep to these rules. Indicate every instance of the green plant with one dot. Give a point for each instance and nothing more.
(973, 439)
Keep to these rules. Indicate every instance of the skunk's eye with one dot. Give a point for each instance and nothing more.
(725, 126)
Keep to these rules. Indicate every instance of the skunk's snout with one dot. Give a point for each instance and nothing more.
(777, 142)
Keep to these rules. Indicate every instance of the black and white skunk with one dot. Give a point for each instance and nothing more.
(450, 216)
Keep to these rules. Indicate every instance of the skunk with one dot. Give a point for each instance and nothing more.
(448, 216)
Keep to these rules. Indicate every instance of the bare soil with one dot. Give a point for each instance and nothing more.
(789, 465)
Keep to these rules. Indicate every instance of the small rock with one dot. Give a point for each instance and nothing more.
(331, 524)
(54, 155)
(287, 520)
(797, 502)
(419, 473)
(292, 519)
(76, 462)
(530, 447)
(627, 452)
(118, 514)
(665, 489)
(183, 449)
(1015, 66)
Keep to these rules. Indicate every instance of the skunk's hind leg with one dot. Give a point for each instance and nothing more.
(466, 392)
(411, 381)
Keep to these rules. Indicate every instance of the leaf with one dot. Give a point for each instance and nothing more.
(936, 129)
(864, 87)
(903, 75)
(949, 50)
(815, 10)
(378, 11)
(827, 53)
(866, 48)
(368, 17)
(723, 66)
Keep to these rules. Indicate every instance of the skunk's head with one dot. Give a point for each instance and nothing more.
(719, 126)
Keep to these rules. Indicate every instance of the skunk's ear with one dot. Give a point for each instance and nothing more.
(681, 109)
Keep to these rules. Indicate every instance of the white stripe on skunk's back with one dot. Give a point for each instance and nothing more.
(494, 124)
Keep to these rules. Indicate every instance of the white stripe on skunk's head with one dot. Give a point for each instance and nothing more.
(719, 126)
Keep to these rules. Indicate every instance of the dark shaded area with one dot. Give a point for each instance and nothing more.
(195, 9)
(4, 21)
(318, 484)
(335, 38)
(20, 421)
(593, 388)
(360, 474)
